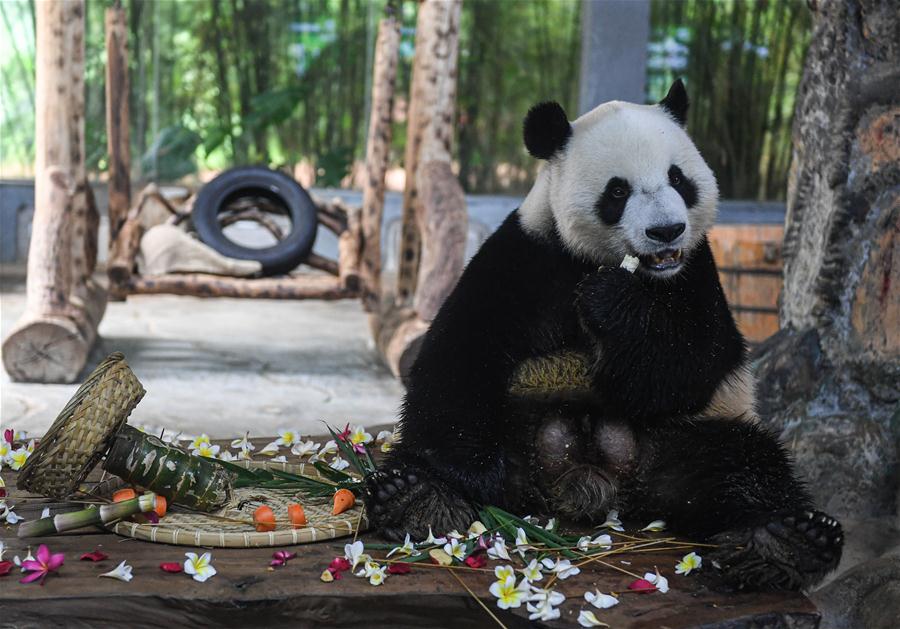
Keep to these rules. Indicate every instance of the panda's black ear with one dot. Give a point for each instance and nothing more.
(546, 130)
(676, 102)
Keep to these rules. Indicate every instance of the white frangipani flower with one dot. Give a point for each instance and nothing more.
(613, 522)
(498, 549)
(656, 526)
(504, 572)
(122, 572)
(661, 583)
(339, 464)
(45, 513)
(358, 436)
(601, 541)
(522, 543)
(509, 595)
(243, 443)
(7, 513)
(354, 553)
(562, 567)
(408, 548)
(196, 442)
(532, 572)
(18, 457)
(455, 549)
(270, 449)
(200, 568)
(691, 561)
(431, 539)
(279, 459)
(545, 604)
(303, 448)
(287, 437)
(227, 456)
(207, 450)
(600, 600)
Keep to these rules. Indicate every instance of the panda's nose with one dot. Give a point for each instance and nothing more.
(665, 233)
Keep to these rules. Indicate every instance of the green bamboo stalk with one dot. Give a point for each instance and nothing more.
(186, 480)
(106, 514)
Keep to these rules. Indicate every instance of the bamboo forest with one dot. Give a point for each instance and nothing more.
(216, 83)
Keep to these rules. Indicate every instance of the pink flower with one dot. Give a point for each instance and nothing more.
(42, 566)
(8, 435)
(399, 568)
(96, 555)
(345, 433)
(5, 567)
(643, 586)
(476, 561)
(281, 557)
(339, 564)
(359, 448)
(171, 566)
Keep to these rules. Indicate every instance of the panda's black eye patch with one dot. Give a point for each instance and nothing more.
(611, 203)
(683, 186)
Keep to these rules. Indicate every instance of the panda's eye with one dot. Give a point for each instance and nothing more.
(618, 192)
(675, 177)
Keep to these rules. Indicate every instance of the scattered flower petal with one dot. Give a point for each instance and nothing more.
(243, 443)
(399, 568)
(498, 550)
(660, 582)
(281, 557)
(95, 555)
(642, 585)
(327, 576)
(354, 553)
(339, 564)
(122, 572)
(171, 566)
(432, 540)
(612, 522)
(5, 567)
(532, 572)
(601, 541)
(476, 529)
(407, 549)
(476, 561)
(440, 557)
(522, 543)
(304, 448)
(545, 604)
(586, 618)
(563, 568)
(339, 464)
(656, 526)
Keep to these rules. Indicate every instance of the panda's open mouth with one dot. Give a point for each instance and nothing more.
(664, 260)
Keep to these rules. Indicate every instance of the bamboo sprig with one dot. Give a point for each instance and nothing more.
(105, 514)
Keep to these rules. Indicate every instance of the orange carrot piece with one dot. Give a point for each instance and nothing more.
(343, 500)
(161, 505)
(124, 494)
(264, 519)
(296, 516)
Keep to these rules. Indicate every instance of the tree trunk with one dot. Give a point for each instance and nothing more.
(830, 379)
(117, 119)
(378, 148)
(51, 341)
(433, 237)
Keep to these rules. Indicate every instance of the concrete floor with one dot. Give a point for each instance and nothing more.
(225, 366)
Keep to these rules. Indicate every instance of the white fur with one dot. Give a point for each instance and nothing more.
(637, 143)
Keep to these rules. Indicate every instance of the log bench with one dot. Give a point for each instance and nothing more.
(247, 592)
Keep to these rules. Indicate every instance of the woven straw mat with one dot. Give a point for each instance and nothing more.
(83, 430)
(232, 527)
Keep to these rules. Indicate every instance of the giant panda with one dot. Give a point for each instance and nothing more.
(554, 380)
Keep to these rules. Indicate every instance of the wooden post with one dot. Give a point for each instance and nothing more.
(433, 237)
(117, 118)
(51, 341)
(378, 147)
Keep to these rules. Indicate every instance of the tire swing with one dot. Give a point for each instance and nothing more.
(258, 194)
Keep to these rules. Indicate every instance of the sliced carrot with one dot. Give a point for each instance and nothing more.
(161, 505)
(343, 500)
(296, 516)
(264, 519)
(122, 495)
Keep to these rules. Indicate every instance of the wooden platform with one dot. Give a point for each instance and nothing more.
(246, 592)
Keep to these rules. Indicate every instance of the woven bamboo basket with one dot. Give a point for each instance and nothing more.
(83, 430)
(232, 526)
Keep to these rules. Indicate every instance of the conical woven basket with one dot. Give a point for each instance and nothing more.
(82, 431)
(232, 526)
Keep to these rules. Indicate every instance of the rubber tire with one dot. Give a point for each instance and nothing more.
(281, 257)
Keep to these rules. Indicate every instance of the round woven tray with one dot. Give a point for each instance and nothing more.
(232, 526)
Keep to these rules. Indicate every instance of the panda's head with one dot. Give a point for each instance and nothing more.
(621, 179)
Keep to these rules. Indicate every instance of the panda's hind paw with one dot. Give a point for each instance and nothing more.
(409, 500)
(789, 551)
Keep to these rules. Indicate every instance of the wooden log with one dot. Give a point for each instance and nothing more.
(332, 214)
(378, 148)
(322, 263)
(117, 119)
(349, 251)
(203, 285)
(52, 339)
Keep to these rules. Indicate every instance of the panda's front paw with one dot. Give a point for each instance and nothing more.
(607, 299)
(790, 551)
(410, 500)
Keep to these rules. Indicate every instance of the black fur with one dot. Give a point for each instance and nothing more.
(684, 186)
(676, 102)
(677, 335)
(546, 130)
(611, 204)
(664, 346)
